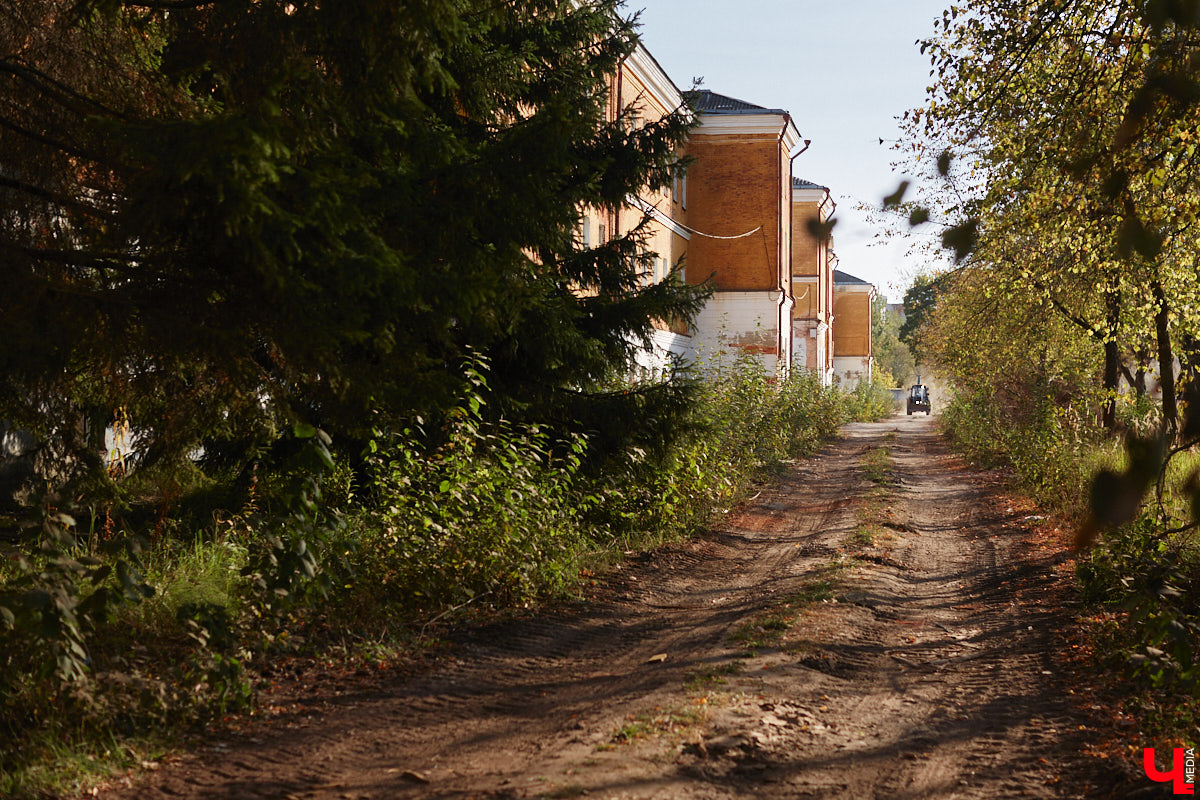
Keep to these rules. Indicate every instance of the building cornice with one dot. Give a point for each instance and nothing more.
(828, 202)
(822, 197)
(747, 125)
(791, 136)
(818, 196)
(646, 69)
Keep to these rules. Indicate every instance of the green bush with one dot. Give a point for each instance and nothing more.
(1154, 580)
(461, 512)
(743, 422)
(1052, 456)
(499, 514)
(870, 402)
(492, 512)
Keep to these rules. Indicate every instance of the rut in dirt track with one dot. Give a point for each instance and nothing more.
(929, 677)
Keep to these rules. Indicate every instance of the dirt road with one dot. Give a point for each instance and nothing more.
(729, 666)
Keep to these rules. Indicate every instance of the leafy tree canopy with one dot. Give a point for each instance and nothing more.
(891, 355)
(1063, 137)
(919, 302)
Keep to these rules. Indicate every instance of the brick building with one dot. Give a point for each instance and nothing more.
(852, 345)
(740, 194)
(642, 84)
(739, 218)
(812, 279)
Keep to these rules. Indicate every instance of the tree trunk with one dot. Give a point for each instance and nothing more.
(1189, 358)
(1166, 360)
(1112, 360)
(1112, 375)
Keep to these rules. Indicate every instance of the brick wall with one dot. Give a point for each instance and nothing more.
(733, 187)
(851, 323)
(807, 294)
(806, 249)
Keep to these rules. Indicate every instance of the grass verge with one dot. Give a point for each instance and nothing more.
(873, 512)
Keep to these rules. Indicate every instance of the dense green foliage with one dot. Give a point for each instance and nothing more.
(919, 302)
(1153, 580)
(1060, 140)
(1023, 386)
(494, 515)
(502, 515)
(220, 219)
(893, 358)
(872, 401)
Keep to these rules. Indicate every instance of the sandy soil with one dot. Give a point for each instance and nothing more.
(929, 673)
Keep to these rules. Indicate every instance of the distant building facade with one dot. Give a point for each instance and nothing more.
(740, 209)
(812, 279)
(739, 218)
(853, 355)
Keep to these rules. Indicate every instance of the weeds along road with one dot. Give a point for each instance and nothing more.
(843, 635)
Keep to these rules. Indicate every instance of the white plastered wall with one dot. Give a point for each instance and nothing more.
(736, 322)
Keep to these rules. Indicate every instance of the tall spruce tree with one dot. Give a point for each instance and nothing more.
(227, 216)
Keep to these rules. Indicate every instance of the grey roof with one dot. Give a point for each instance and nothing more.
(846, 277)
(709, 102)
(800, 183)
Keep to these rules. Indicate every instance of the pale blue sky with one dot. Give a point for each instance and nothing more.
(844, 70)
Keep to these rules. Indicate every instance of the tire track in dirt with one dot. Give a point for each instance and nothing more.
(924, 679)
(930, 680)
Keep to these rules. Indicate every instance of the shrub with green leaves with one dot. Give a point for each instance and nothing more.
(742, 423)
(504, 513)
(53, 597)
(1154, 579)
(1052, 455)
(491, 511)
(870, 401)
